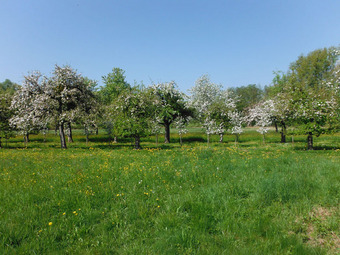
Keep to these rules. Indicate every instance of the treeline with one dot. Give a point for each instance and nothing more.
(305, 98)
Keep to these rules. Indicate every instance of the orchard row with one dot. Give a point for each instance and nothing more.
(306, 97)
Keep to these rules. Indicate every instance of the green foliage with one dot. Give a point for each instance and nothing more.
(5, 114)
(309, 72)
(309, 93)
(8, 87)
(168, 105)
(115, 84)
(279, 82)
(132, 111)
(247, 96)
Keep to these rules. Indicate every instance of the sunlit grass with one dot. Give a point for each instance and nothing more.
(166, 199)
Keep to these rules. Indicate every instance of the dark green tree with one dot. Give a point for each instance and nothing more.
(8, 87)
(5, 115)
(133, 109)
(247, 96)
(115, 84)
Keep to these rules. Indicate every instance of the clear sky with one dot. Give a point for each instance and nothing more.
(236, 42)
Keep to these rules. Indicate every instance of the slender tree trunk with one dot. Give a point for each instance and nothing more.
(264, 139)
(62, 136)
(156, 139)
(86, 130)
(221, 138)
(180, 139)
(276, 129)
(0, 142)
(115, 139)
(310, 141)
(26, 138)
(167, 133)
(69, 132)
(97, 130)
(137, 143)
(236, 139)
(208, 139)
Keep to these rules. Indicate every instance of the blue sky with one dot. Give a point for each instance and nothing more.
(237, 42)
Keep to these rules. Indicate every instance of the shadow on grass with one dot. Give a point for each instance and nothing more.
(326, 148)
(316, 148)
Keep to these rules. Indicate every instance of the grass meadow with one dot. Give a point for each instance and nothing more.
(105, 198)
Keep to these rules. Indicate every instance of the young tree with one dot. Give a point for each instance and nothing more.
(212, 105)
(262, 114)
(169, 104)
(89, 109)
(236, 122)
(180, 124)
(134, 108)
(203, 96)
(115, 85)
(26, 116)
(156, 128)
(220, 108)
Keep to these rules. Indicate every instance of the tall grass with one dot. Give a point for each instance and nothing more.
(167, 199)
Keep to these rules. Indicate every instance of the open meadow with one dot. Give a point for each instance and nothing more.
(199, 198)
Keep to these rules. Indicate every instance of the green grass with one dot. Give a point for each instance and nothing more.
(197, 199)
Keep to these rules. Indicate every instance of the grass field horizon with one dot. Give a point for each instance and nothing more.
(199, 198)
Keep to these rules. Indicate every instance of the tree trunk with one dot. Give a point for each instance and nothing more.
(115, 139)
(69, 133)
(310, 141)
(86, 130)
(208, 138)
(62, 136)
(221, 138)
(236, 139)
(283, 132)
(283, 137)
(276, 129)
(0, 142)
(137, 143)
(180, 140)
(26, 138)
(156, 139)
(264, 139)
(97, 130)
(167, 133)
